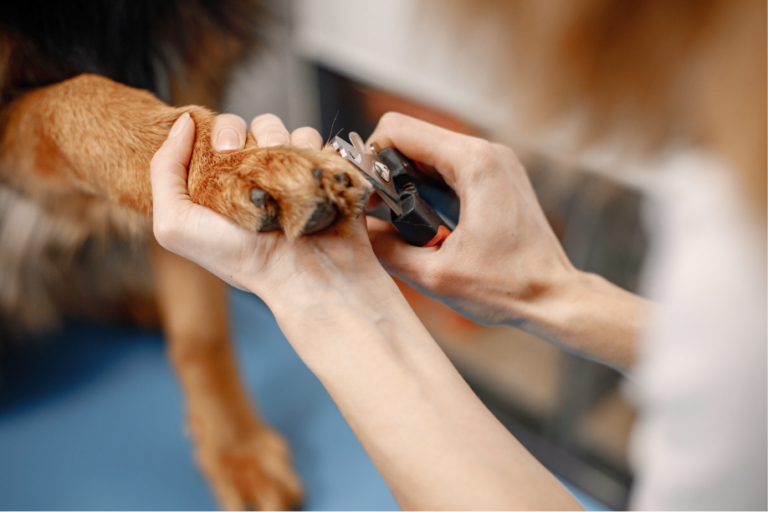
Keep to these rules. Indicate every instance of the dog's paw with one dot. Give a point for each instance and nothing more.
(300, 191)
(254, 475)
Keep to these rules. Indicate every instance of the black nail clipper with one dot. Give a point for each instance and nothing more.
(423, 209)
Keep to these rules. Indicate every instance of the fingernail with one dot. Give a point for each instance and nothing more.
(227, 140)
(304, 145)
(179, 125)
(277, 139)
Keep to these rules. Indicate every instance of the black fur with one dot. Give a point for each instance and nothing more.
(135, 42)
(125, 40)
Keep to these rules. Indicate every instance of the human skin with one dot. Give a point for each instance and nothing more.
(436, 445)
(503, 263)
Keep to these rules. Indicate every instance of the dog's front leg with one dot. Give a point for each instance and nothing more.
(92, 136)
(90, 140)
(246, 461)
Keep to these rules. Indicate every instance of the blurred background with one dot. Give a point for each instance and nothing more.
(92, 418)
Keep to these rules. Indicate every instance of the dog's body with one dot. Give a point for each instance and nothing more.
(75, 200)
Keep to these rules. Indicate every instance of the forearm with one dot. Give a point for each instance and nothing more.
(588, 315)
(433, 441)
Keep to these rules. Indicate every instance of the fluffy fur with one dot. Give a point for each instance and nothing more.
(75, 200)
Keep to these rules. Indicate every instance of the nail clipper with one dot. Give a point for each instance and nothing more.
(401, 185)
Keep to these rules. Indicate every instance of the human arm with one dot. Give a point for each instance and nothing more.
(503, 264)
(433, 441)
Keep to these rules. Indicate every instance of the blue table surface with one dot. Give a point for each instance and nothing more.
(92, 419)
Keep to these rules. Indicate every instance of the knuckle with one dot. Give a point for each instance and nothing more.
(305, 130)
(230, 117)
(502, 150)
(229, 121)
(433, 278)
(506, 154)
(306, 134)
(483, 154)
(165, 233)
(391, 120)
(481, 149)
(265, 120)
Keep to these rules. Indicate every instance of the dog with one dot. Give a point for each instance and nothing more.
(79, 124)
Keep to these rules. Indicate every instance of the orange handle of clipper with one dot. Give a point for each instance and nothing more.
(419, 223)
(442, 234)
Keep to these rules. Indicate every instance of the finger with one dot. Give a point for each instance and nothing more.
(375, 226)
(269, 130)
(399, 258)
(171, 160)
(168, 172)
(424, 142)
(228, 133)
(306, 137)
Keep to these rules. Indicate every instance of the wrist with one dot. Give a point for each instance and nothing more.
(587, 314)
(312, 312)
(532, 304)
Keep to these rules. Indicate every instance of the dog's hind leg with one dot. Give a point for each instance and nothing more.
(246, 461)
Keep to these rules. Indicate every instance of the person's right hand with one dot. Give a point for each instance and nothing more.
(503, 256)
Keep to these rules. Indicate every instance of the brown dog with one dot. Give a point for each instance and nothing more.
(75, 233)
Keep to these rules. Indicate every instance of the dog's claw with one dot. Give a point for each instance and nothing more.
(342, 178)
(271, 223)
(362, 203)
(321, 218)
(258, 197)
(318, 174)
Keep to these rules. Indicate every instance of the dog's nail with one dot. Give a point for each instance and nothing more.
(318, 174)
(258, 197)
(271, 223)
(342, 178)
(323, 216)
(362, 203)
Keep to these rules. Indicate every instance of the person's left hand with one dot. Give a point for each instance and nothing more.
(265, 263)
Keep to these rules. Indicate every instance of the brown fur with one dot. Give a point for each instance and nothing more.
(120, 128)
(76, 236)
(651, 73)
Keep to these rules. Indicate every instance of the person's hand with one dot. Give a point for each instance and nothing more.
(264, 263)
(502, 256)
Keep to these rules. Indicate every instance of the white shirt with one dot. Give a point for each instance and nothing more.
(700, 441)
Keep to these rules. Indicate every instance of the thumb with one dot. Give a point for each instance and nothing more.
(426, 143)
(168, 168)
(168, 175)
(398, 257)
